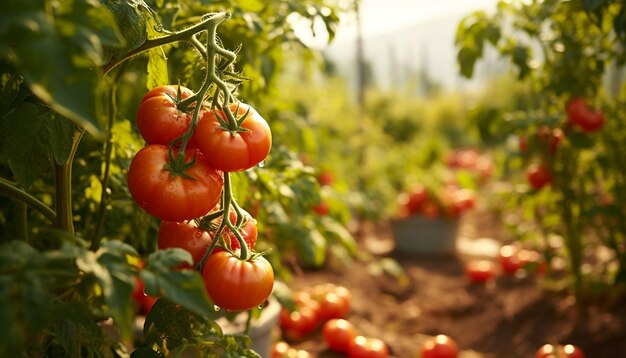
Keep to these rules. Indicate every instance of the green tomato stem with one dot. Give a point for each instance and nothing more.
(63, 176)
(14, 192)
(104, 180)
(182, 35)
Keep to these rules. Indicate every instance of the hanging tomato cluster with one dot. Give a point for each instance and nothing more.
(182, 177)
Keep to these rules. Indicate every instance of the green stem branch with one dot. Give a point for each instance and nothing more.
(182, 35)
(12, 191)
(63, 176)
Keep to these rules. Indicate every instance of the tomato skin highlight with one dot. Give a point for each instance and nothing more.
(237, 285)
(480, 271)
(169, 197)
(237, 151)
(338, 333)
(367, 347)
(440, 346)
(159, 120)
(558, 350)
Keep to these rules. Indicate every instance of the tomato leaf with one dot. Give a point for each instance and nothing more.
(157, 59)
(312, 247)
(186, 287)
(129, 16)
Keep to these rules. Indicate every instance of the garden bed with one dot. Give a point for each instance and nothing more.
(510, 318)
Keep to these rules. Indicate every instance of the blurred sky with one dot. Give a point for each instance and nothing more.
(384, 16)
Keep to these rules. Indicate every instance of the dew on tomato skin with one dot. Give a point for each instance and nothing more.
(262, 164)
(216, 307)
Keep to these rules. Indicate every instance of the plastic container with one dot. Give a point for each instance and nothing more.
(417, 235)
(261, 330)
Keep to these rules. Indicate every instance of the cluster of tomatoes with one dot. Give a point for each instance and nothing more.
(511, 260)
(181, 178)
(471, 160)
(452, 201)
(546, 140)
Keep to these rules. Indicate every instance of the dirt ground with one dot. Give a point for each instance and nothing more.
(512, 317)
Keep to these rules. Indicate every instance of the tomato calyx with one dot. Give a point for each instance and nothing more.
(231, 123)
(177, 166)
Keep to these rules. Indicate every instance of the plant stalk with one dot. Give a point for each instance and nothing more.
(63, 176)
(12, 191)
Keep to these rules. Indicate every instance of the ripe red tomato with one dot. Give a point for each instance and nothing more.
(248, 231)
(440, 346)
(237, 285)
(480, 271)
(333, 306)
(234, 151)
(159, 120)
(367, 347)
(510, 262)
(580, 115)
(185, 235)
(523, 144)
(560, 351)
(173, 197)
(414, 200)
(321, 209)
(577, 110)
(326, 177)
(430, 210)
(538, 175)
(279, 349)
(338, 333)
(297, 324)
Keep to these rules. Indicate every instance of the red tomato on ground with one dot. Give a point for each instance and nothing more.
(299, 323)
(159, 120)
(509, 260)
(538, 175)
(480, 271)
(237, 285)
(185, 235)
(234, 151)
(367, 347)
(279, 349)
(440, 346)
(338, 334)
(559, 351)
(173, 197)
(333, 306)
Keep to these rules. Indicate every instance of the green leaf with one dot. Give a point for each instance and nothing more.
(157, 59)
(128, 16)
(24, 145)
(466, 58)
(339, 233)
(593, 5)
(70, 40)
(312, 247)
(186, 287)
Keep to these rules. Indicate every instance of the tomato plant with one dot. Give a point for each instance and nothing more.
(440, 346)
(185, 235)
(71, 202)
(573, 123)
(173, 194)
(235, 284)
(338, 333)
(233, 148)
(367, 347)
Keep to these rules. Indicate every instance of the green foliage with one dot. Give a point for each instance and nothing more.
(563, 49)
(73, 67)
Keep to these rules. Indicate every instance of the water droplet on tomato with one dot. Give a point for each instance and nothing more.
(216, 307)
(262, 164)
